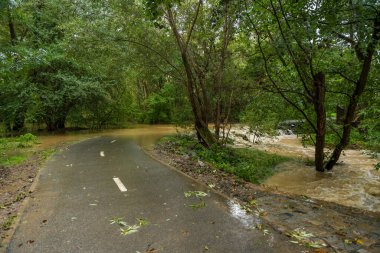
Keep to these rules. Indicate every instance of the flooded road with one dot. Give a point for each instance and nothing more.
(142, 134)
(353, 182)
(78, 198)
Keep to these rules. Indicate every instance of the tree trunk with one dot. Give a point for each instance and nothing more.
(204, 134)
(319, 107)
(18, 121)
(354, 99)
(12, 30)
(221, 69)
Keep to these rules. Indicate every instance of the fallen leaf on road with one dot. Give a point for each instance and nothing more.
(129, 230)
(197, 194)
(152, 250)
(305, 238)
(142, 222)
(198, 205)
(118, 221)
(359, 241)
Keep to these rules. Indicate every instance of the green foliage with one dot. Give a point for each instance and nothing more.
(27, 140)
(12, 150)
(98, 64)
(47, 153)
(358, 140)
(12, 160)
(160, 106)
(249, 164)
(8, 222)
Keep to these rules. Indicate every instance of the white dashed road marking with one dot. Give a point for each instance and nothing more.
(119, 184)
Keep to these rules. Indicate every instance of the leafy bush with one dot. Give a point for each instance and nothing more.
(27, 140)
(249, 164)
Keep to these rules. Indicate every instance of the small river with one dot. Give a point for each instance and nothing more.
(353, 182)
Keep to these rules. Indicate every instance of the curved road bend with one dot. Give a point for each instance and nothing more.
(77, 197)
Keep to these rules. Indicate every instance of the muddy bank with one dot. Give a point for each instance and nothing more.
(15, 183)
(342, 229)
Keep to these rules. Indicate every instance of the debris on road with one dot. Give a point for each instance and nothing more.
(129, 229)
(197, 194)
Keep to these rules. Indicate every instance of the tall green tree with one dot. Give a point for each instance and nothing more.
(299, 41)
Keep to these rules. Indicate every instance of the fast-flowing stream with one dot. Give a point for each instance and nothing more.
(353, 182)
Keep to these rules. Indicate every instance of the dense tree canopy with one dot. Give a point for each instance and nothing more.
(97, 64)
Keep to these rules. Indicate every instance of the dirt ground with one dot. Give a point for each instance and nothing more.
(15, 183)
(307, 221)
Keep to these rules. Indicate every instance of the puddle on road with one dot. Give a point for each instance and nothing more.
(240, 214)
(354, 182)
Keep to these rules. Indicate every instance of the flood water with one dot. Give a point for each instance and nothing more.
(144, 135)
(354, 182)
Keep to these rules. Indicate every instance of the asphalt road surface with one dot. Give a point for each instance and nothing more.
(78, 195)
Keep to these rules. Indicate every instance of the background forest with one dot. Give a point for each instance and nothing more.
(100, 64)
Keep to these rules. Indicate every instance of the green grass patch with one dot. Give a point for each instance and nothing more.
(13, 160)
(15, 150)
(8, 222)
(47, 153)
(249, 164)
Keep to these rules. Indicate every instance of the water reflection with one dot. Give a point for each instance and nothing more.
(239, 213)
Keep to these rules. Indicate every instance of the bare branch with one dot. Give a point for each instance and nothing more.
(193, 24)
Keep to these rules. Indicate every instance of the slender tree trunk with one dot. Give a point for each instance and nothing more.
(354, 100)
(220, 73)
(319, 107)
(200, 119)
(12, 30)
(19, 118)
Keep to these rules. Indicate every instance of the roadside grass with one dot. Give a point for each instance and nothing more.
(8, 222)
(249, 164)
(16, 150)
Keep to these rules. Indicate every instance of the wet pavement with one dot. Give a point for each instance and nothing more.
(76, 199)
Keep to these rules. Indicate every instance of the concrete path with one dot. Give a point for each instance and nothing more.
(77, 197)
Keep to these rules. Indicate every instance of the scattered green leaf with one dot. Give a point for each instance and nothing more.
(198, 194)
(198, 205)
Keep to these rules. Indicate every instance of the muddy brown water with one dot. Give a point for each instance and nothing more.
(144, 135)
(354, 182)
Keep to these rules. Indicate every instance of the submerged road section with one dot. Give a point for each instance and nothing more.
(106, 195)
